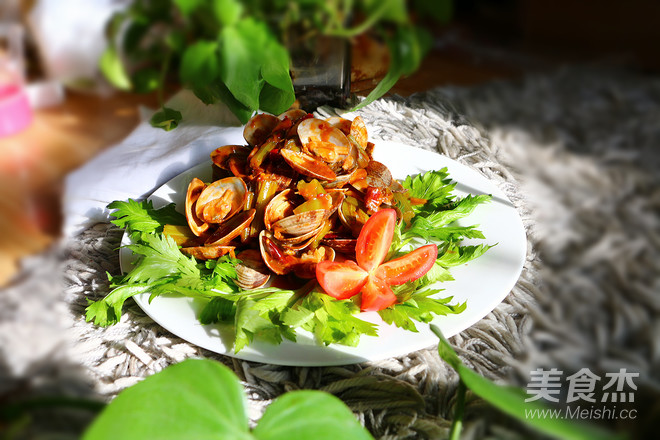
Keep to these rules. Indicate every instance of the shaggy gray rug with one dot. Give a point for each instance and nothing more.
(575, 150)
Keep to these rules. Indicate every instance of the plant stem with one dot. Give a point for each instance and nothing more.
(457, 423)
(163, 75)
(362, 27)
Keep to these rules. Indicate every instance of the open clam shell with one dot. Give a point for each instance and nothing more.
(221, 199)
(342, 124)
(345, 245)
(220, 156)
(231, 228)
(308, 165)
(259, 128)
(208, 252)
(196, 224)
(299, 224)
(251, 272)
(274, 256)
(358, 132)
(282, 263)
(279, 207)
(324, 141)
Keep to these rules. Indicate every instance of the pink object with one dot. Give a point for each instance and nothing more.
(15, 111)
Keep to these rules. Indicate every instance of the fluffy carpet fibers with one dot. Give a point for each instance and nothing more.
(575, 150)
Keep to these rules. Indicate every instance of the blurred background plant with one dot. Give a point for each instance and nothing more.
(240, 52)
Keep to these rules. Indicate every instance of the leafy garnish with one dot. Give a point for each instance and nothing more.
(107, 311)
(273, 314)
(424, 228)
(160, 267)
(433, 186)
(419, 307)
(334, 321)
(143, 217)
(434, 219)
(456, 255)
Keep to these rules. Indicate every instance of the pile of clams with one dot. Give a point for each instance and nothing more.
(298, 193)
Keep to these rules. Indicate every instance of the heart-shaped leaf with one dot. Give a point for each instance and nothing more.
(309, 415)
(196, 399)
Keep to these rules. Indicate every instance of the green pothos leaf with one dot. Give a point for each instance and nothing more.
(112, 67)
(166, 118)
(242, 47)
(210, 403)
(511, 400)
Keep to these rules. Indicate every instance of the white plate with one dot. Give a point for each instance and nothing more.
(483, 283)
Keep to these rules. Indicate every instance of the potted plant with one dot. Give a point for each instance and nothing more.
(240, 52)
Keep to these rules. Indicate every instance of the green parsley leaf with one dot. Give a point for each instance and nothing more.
(162, 259)
(425, 228)
(143, 217)
(218, 309)
(438, 273)
(420, 307)
(258, 313)
(107, 311)
(455, 255)
(458, 210)
(433, 186)
(334, 321)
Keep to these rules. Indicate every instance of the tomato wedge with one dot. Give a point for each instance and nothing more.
(376, 295)
(408, 267)
(375, 239)
(341, 280)
(370, 276)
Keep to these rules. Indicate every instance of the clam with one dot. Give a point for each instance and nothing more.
(293, 114)
(208, 252)
(197, 225)
(299, 224)
(220, 156)
(282, 263)
(308, 165)
(358, 132)
(274, 256)
(323, 140)
(297, 242)
(279, 207)
(251, 272)
(306, 267)
(238, 165)
(259, 128)
(343, 179)
(342, 124)
(378, 175)
(231, 228)
(221, 199)
(296, 116)
(345, 245)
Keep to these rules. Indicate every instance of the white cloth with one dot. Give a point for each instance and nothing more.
(145, 160)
